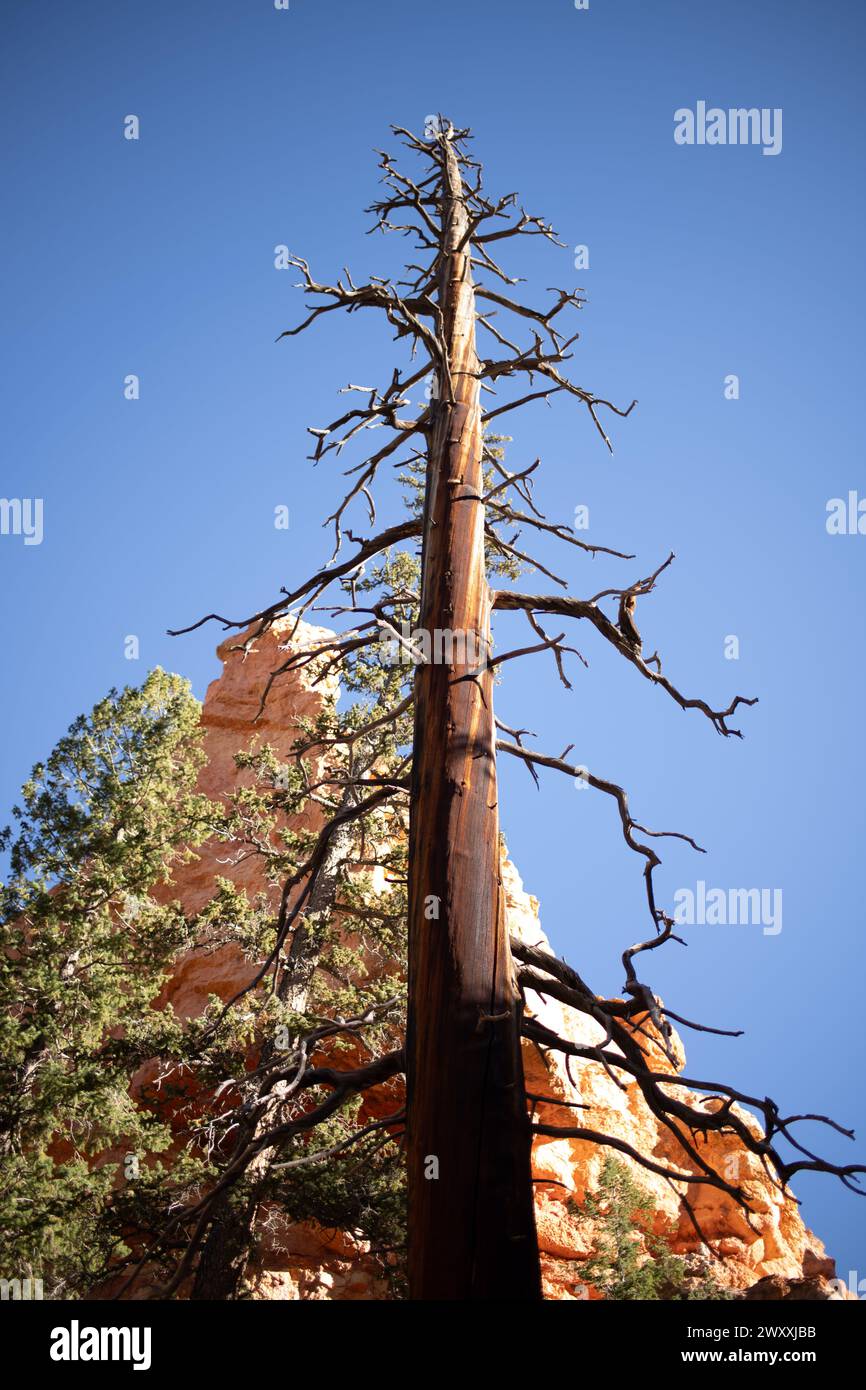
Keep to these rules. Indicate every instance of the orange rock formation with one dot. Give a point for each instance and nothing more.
(310, 1263)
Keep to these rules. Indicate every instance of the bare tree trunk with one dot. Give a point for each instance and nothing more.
(471, 1215)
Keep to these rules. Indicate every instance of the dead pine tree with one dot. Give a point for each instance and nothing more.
(471, 1226)
(469, 1120)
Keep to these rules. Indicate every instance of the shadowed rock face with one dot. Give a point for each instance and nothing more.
(773, 1247)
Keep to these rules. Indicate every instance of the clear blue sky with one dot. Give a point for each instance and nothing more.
(156, 257)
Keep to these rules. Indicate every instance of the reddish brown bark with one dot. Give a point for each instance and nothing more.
(471, 1228)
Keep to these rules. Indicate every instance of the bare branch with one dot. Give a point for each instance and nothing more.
(506, 600)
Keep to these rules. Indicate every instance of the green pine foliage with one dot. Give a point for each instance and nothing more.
(85, 949)
(632, 1260)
